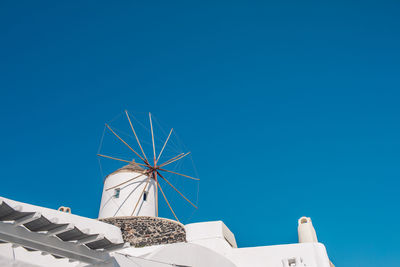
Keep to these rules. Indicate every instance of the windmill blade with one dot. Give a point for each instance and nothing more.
(130, 162)
(164, 145)
(115, 186)
(166, 200)
(104, 156)
(177, 190)
(174, 159)
(152, 138)
(137, 139)
(125, 143)
(171, 159)
(141, 195)
(184, 175)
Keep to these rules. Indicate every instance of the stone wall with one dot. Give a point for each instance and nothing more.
(143, 231)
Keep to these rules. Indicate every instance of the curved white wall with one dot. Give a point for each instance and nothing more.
(129, 194)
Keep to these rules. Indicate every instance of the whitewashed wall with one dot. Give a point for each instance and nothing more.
(129, 194)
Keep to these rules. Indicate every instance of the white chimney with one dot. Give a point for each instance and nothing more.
(306, 231)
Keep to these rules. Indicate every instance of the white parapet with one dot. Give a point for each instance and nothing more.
(291, 255)
(207, 230)
(218, 238)
(214, 235)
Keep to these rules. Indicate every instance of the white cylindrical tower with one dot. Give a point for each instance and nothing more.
(122, 200)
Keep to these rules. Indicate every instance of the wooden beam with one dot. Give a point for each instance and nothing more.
(141, 195)
(104, 156)
(184, 175)
(125, 143)
(177, 191)
(174, 159)
(137, 139)
(152, 139)
(164, 145)
(166, 200)
(130, 162)
(125, 181)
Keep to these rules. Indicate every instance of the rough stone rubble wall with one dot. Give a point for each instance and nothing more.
(142, 231)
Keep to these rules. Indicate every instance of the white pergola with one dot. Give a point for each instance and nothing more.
(34, 232)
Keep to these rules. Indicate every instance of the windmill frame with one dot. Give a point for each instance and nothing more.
(153, 169)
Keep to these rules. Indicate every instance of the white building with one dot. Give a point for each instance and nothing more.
(37, 236)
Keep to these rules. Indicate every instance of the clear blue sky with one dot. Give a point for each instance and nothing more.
(289, 109)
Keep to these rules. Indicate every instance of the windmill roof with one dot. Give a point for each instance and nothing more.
(129, 167)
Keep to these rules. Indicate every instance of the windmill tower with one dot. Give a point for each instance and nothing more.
(123, 196)
(133, 190)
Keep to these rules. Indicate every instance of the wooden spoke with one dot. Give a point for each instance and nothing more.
(176, 190)
(125, 143)
(125, 181)
(137, 139)
(173, 160)
(164, 145)
(155, 178)
(180, 174)
(166, 200)
(104, 156)
(130, 162)
(140, 164)
(124, 202)
(141, 195)
(152, 139)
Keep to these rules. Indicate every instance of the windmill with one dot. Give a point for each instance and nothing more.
(134, 189)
